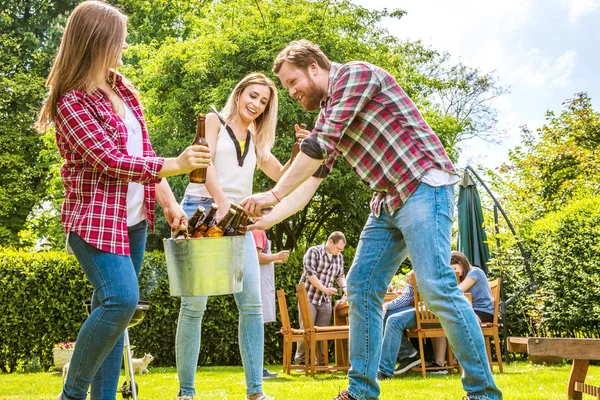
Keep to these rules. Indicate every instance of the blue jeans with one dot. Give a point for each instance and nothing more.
(98, 354)
(421, 229)
(395, 343)
(250, 328)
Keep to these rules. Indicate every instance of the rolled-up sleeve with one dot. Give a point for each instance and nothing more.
(311, 261)
(355, 86)
(87, 137)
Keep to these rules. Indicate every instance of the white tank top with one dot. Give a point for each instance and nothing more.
(136, 211)
(235, 179)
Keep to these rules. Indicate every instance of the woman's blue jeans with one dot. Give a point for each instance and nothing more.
(98, 354)
(421, 229)
(395, 343)
(250, 328)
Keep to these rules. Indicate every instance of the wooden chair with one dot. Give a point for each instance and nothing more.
(428, 326)
(490, 329)
(314, 334)
(290, 335)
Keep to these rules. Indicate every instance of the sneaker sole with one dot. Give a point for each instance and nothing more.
(409, 366)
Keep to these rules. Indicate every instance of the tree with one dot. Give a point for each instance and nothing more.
(187, 56)
(29, 33)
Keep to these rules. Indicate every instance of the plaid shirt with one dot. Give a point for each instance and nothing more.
(92, 140)
(406, 299)
(326, 267)
(373, 124)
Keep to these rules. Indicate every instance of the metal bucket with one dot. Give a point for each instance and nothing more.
(205, 266)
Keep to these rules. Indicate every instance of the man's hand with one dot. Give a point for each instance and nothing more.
(261, 224)
(282, 256)
(301, 134)
(254, 204)
(330, 291)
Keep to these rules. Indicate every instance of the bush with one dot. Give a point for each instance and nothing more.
(566, 252)
(42, 295)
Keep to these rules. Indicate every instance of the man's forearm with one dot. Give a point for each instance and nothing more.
(296, 201)
(301, 169)
(267, 258)
(316, 283)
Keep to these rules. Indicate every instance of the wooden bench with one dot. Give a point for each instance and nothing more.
(581, 351)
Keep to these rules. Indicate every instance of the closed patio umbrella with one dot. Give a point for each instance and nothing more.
(472, 240)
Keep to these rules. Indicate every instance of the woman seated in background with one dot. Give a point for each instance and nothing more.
(473, 280)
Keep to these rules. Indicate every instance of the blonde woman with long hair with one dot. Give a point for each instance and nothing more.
(240, 138)
(112, 178)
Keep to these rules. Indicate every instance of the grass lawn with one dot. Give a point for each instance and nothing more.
(520, 381)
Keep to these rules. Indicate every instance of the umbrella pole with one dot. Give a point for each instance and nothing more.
(531, 285)
(502, 295)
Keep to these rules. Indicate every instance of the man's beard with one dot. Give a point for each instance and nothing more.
(314, 97)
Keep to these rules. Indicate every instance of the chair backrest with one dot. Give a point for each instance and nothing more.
(283, 310)
(303, 305)
(423, 315)
(495, 288)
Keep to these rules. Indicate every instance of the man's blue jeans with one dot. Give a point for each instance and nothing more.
(421, 229)
(250, 328)
(98, 353)
(395, 343)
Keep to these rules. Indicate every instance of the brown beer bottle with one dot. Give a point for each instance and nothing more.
(199, 175)
(234, 223)
(205, 225)
(240, 229)
(219, 229)
(196, 218)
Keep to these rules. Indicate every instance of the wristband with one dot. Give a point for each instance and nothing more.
(274, 195)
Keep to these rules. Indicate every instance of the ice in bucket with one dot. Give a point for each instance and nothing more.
(205, 266)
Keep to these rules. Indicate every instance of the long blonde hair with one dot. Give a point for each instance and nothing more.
(90, 47)
(263, 127)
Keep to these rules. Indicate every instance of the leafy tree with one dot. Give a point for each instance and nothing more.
(179, 78)
(187, 56)
(29, 34)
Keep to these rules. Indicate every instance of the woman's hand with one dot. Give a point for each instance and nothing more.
(222, 210)
(176, 217)
(193, 157)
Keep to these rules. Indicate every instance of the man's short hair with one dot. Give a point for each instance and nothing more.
(301, 53)
(336, 237)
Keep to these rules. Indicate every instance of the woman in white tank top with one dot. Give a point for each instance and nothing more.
(240, 139)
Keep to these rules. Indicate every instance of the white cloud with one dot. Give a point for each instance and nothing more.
(539, 71)
(578, 8)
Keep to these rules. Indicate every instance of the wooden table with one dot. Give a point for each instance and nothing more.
(581, 351)
(340, 317)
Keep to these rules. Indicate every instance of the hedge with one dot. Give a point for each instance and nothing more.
(42, 295)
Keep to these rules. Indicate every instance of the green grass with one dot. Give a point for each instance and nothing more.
(520, 381)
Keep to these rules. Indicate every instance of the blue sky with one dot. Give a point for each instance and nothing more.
(544, 50)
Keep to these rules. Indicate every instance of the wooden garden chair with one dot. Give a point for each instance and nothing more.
(314, 334)
(490, 329)
(290, 335)
(428, 326)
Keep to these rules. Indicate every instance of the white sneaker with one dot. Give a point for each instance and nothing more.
(262, 397)
(185, 397)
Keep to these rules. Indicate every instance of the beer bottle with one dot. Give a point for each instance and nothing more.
(296, 146)
(231, 229)
(240, 229)
(205, 225)
(199, 175)
(219, 229)
(196, 218)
